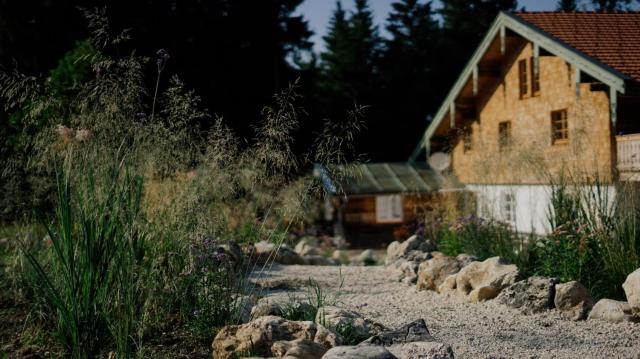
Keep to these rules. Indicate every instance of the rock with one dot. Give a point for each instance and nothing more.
(264, 308)
(448, 286)
(479, 281)
(259, 336)
(298, 349)
(339, 319)
(415, 331)
(404, 271)
(631, 288)
(264, 252)
(422, 350)
(612, 311)
(573, 300)
(362, 351)
(533, 295)
(307, 246)
(320, 261)
(367, 258)
(397, 250)
(433, 272)
(340, 255)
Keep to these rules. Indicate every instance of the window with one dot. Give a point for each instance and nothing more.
(508, 207)
(389, 208)
(559, 127)
(467, 140)
(522, 73)
(535, 78)
(504, 135)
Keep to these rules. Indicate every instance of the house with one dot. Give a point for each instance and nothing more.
(544, 94)
(371, 204)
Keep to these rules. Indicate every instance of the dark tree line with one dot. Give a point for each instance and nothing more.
(237, 53)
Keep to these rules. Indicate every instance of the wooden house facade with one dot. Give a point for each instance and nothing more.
(546, 94)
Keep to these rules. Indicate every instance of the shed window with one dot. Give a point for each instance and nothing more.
(508, 207)
(559, 127)
(389, 208)
(535, 78)
(522, 74)
(504, 135)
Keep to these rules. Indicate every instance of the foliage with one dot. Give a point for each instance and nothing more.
(487, 238)
(594, 238)
(139, 166)
(315, 300)
(89, 278)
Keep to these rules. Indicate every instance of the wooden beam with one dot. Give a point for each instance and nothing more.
(489, 71)
(475, 80)
(503, 40)
(577, 80)
(452, 114)
(536, 59)
(613, 106)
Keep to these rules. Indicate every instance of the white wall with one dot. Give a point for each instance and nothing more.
(532, 204)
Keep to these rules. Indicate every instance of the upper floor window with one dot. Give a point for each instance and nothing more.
(522, 75)
(504, 135)
(535, 77)
(559, 127)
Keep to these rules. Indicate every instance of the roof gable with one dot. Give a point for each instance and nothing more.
(581, 61)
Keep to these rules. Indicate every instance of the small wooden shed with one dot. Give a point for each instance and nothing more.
(375, 203)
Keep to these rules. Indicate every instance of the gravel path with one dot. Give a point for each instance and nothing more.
(485, 330)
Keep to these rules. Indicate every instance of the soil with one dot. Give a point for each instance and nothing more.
(483, 330)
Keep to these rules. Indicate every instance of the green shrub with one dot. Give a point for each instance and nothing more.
(487, 238)
(88, 276)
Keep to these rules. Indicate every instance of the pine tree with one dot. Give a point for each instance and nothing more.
(611, 5)
(567, 5)
(349, 57)
(407, 68)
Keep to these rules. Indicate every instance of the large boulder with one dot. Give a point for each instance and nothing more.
(433, 272)
(631, 288)
(422, 350)
(415, 331)
(448, 286)
(339, 319)
(259, 336)
(479, 281)
(361, 351)
(612, 311)
(397, 250)
(298, 349)
(533, 295)
(572, 299)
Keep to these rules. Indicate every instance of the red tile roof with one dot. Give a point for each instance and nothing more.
(612, 38)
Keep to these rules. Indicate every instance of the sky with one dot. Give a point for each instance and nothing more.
(318, 13)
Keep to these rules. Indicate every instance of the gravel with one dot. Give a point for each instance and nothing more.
(484, 330)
